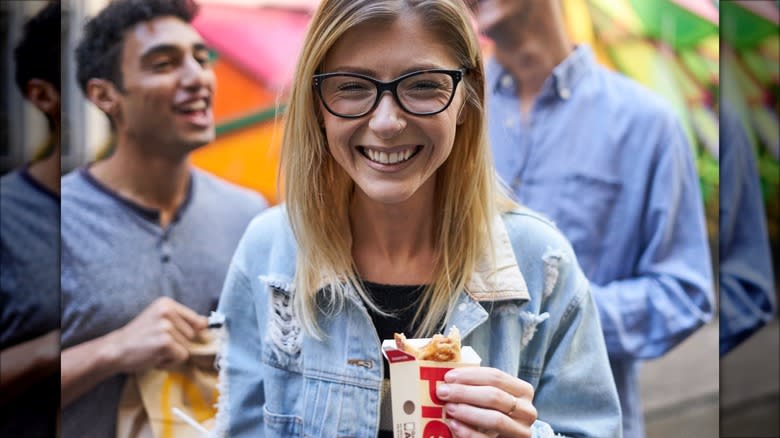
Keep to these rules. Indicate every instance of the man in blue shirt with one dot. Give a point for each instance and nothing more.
(146, 238)
(29, 248)
(608, 162)
(747, 289)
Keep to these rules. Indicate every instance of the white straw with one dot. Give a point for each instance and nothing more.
(187, 419)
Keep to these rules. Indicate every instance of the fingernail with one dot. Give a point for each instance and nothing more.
(454, 425)
(451, 376)
(450, 408)
(443, 391)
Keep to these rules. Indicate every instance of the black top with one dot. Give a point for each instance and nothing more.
(399, 301)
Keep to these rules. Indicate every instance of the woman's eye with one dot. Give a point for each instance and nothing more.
(426, 85)
(352, 86)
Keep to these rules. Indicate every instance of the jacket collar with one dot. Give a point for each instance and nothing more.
(502, 281)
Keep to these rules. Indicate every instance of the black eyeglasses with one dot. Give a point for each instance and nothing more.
(421, 93)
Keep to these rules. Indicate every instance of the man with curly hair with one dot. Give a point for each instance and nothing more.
(29, 247)
(146, 238)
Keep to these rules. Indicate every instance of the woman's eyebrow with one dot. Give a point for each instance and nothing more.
(374, 73)
(352, 69)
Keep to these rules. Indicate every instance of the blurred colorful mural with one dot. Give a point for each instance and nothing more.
(750, 63)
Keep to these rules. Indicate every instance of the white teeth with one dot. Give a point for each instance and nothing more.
(197, 105)
(391, 158)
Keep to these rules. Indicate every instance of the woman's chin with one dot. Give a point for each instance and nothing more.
(387, 195)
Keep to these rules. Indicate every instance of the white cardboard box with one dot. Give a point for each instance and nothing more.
(417, 412)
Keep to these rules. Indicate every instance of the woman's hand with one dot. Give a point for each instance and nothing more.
(486, 402)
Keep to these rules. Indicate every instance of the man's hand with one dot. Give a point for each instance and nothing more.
(158, 337)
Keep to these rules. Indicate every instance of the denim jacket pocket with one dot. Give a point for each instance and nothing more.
(585, 213)
(277, 425)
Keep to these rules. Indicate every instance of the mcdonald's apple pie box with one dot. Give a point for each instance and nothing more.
(417, 412)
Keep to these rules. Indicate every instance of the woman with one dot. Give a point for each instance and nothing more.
(394, 222)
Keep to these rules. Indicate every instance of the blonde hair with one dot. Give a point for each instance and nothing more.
(317, 190)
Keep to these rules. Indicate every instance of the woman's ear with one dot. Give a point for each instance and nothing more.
(462, 114)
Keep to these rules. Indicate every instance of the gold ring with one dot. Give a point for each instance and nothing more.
(514, 407)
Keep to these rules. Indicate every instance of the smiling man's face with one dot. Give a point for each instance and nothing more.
(168, 83)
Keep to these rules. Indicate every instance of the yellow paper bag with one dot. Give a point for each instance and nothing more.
(148, 398)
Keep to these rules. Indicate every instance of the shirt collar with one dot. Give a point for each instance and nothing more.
(564, 76)
(149, 214)
(26, 176)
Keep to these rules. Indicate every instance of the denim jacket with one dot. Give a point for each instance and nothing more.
(533, 317)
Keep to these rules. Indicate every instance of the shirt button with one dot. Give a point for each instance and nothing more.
(462, 307)
(165, 258)
(507, 81)
(565, 93)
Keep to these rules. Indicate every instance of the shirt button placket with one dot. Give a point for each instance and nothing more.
(165, 249)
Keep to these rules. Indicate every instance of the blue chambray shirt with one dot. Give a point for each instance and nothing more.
(746, 280)
(607, 161)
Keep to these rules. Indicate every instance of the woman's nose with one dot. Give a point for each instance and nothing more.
(387, 119)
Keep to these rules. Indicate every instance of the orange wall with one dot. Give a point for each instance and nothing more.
(250, 156)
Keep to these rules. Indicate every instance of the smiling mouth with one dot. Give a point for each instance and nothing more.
(199, 106)
(381, 157)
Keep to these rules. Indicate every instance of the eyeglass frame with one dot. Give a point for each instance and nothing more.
(391, 86)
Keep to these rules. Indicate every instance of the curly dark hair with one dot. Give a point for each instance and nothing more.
(99, 52)
(37, 56)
